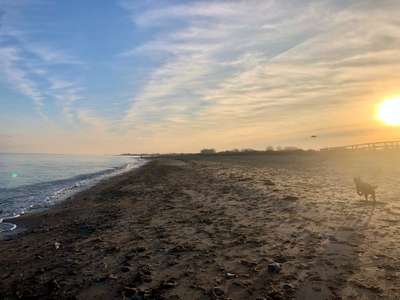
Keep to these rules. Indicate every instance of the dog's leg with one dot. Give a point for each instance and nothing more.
(374, 196)
(366, 196)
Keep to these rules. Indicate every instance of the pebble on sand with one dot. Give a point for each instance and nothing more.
(274, 267)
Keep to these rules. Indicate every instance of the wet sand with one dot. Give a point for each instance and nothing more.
(207, 229)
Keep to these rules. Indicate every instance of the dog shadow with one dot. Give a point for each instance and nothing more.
(370, 203)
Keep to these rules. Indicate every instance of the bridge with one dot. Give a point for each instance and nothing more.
(387, 145)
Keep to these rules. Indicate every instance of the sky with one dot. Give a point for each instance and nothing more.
(108, 77)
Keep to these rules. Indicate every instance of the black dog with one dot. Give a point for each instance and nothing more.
(364, 189)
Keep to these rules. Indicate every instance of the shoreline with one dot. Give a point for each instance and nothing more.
(201, 229)
(73, 189)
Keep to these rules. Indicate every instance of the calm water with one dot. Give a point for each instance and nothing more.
(35, 181)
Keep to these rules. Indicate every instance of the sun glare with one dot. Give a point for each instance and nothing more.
(389, 112)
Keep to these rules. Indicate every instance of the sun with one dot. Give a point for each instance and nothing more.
(389, 111)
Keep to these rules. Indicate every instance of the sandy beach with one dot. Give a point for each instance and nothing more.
(207, 228)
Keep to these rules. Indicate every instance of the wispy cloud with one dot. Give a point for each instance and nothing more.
(9, 60)
(213, 73)
(261, 67)
(52, 56)
(27, 65)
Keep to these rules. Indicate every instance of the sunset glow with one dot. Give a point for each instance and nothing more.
(389, 112)
(137, 75)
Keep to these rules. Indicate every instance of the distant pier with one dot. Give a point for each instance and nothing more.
(387, 145)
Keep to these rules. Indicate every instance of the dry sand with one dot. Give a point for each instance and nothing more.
(199, 229)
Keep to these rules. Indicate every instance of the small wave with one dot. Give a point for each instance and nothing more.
(17, 201)
(4, 227)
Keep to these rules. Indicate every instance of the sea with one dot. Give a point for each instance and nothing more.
(30, 182)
